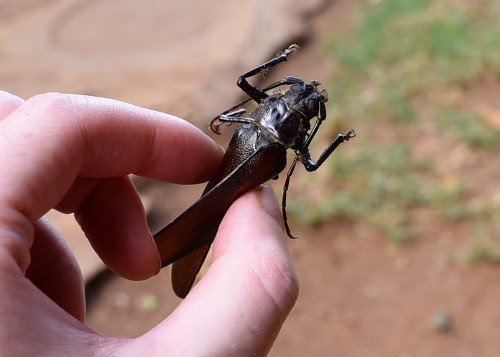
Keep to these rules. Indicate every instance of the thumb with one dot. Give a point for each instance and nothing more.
(242, 301)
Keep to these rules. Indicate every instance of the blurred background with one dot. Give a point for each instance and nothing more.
(399, 230)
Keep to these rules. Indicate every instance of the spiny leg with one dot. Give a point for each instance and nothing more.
(215, 127)
(234, 117)
(287, 81)
(259, 94)
(253, 92)
(305, 156)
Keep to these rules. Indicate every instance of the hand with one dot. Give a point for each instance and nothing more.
(74, 153)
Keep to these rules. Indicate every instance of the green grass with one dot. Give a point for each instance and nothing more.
(405, 66)
(379, 184)
(468, 128)
(402, 51)
(485, 246)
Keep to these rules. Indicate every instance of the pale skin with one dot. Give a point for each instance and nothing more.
(74, 153)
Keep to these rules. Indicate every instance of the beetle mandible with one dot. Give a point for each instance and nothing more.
(256, 154)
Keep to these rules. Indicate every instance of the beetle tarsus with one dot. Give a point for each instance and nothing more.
(349, 134)
(291, 49)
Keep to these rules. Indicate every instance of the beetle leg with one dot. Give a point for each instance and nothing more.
(320, 118)
(215, 127)
(234, 113)
(229, 118)
(259, 94)
(287, 81)
(253, 92)
(305, 156)
(234, 117)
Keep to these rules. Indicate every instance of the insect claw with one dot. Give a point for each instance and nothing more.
(292, 48)
(349, 134)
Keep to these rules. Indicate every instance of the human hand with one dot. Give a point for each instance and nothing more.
(74, 153)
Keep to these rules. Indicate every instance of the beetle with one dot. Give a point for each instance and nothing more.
(255, 154)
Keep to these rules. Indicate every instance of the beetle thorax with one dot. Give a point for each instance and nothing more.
(285, 123)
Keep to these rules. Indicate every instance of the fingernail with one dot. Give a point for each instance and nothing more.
(269, 203)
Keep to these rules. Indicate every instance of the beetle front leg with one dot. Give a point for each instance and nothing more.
(287, 81)
(305, 156)
(229, 116)
(253, 92)
(234, 117)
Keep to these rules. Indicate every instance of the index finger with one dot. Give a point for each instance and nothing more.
(51, 139)
(8, 103)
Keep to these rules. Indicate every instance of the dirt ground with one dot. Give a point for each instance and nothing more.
(359, 295)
